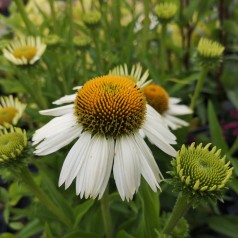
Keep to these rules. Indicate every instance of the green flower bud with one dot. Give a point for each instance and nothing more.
(52, 40)
(165, 11)
(82, 41)
(92, 19)
(200, 172)
(209, 52)
(13, 142)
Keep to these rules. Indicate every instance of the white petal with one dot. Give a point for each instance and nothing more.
(54, 126)
(58, 111)
(74, 160)
(173, 100)
(65, 99)
(177, 122)
(156, 123)
(77, 87)
(179, 110)
(156, 138)
(99, 166)
(142, 133)
(110, 158)
(149, 168)
(126, 167)
(56, 142)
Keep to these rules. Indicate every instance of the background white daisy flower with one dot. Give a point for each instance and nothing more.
(135, 75)
(106, 115)
(168, 107)
(25, 50)
(11, 110)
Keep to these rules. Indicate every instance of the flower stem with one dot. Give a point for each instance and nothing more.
(24, 16)
(99, 63)
(181, 207)
(163, 56)
(106, 214)
(198, 88)
(145, 29)
(43, 198)
(52, 9)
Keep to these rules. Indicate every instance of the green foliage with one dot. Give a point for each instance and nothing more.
(86, 39)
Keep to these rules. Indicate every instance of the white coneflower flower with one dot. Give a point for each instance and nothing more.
(157, 97)
(167, 106)
(11, 110)
(106, 114)
(25, 50)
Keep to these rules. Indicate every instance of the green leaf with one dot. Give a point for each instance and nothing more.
(215, 129)
(234, 185)
(123, 234)
(55, 195)
(11, 86)
(6, 214)
(234, 163)
(16, 225)
(226, 225)
(16, 192)
(30, 229)
(77, 234)
(7, 235)
(229, 79)
(48, 233)
(81, 210)
(150, 210)
(230, 26)
(4, 196)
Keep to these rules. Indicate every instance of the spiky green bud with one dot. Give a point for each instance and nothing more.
(13, 141)
(209, 52)
(198, 171)
(92, 19)
(165, 11)
(52, 39)
(82, 41)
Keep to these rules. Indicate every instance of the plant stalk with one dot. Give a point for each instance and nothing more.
(106, 214)
(43, 198)
(163, 55)
(198, 88)
(24, 16)
(181, 207)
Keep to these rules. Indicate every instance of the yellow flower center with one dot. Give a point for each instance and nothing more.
(7, 115)
(157, 97)
(27, 52)
(111, 106)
